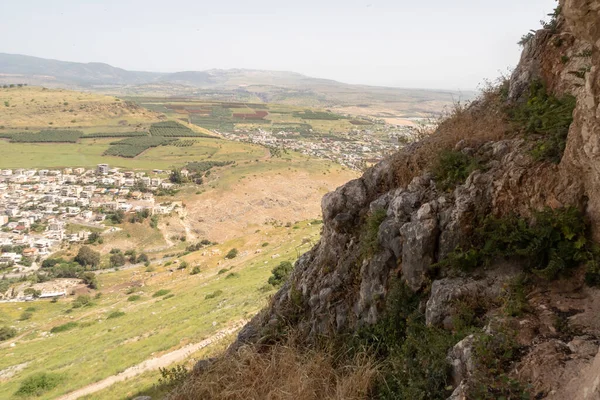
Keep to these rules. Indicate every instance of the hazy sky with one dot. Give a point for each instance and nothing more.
(408, 43)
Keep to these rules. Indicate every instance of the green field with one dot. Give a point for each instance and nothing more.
(89, 153)
(221, 115)
(150, 325)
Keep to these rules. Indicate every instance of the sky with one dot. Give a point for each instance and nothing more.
(436, 44)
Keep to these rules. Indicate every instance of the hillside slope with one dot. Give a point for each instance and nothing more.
(464, 265)
(41, 108)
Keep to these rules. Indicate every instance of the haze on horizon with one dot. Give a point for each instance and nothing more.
(435, 44)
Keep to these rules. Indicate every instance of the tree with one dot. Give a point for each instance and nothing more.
(87, 257)
(94, 237)
(117, 260)
(89, 278)
(281, 273)
(7, 332)
(232, 254)
(33, 292)
(177, 177)
(117, 217)
(143, 258)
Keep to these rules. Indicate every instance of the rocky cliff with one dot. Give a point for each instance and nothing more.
(379, 231)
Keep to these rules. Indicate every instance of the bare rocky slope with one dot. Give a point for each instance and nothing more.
(379, 232)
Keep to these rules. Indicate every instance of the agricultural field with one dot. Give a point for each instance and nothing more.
(227, 116)
(90, 152)
(132, 147)
(144, 312)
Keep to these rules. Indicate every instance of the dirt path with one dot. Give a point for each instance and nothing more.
(152, 364)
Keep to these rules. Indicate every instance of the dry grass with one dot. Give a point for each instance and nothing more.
(281, 372)
(473, 123)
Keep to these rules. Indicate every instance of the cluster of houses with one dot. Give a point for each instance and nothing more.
(37, 205)
(352, 149)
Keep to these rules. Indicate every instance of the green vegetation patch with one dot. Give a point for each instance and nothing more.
(317, 115)
(115, 314)
(213, 295)
(161, 292)
(134, 297)
(132, 147)
(47, 136)
(233, 253)
(7, 332)
(203, 166)
(552, 244)
(280, 273)
(413, 355)
(547, 116)
(370, 243)
(114, 134)
(64, 327)
(453, 168)
(38, 384)
(493, 354)
(173, 129)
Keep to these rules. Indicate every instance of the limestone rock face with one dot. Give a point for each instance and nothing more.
(485, 288)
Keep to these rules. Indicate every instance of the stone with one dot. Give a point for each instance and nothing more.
(419, 242)
(460, 357)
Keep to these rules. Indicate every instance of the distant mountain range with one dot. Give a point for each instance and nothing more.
(230, 84)
(94, 74)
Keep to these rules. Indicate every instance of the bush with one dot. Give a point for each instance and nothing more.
(280, 273)
(555, 242)
(82, 301)
(195, 271)
(51, 262)
(87, 257)
(183, 265)
(25, 316)
(453, 168)
(161, 292)
(547, 116)
(231, 254)
(32, 292)
(493, 354)
(222, 271)
(414, 362)
(214, 294)
(117, 260)
(64, 327)
(115, 314)
(172, 377)
(6, 332)
(135, 297)
(38, 384)
(370, 243)
(90, 279)
(232, 275)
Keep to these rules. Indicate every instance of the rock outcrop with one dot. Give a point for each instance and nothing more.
(342, 283)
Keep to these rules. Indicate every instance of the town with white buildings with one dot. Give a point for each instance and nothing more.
(355, 149)
(38, 206)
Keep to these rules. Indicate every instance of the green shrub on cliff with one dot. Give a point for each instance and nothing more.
(281, 273)
(554, 242)
(548, 116)
(453, 168)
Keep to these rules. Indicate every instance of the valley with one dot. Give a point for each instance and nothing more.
(167, 278)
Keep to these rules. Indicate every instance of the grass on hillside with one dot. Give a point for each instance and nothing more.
(148, 326)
